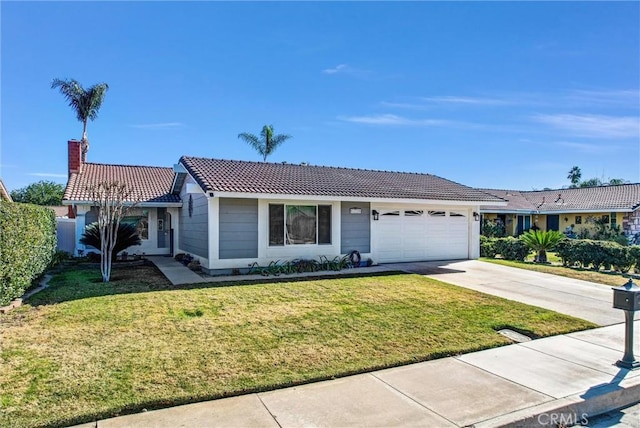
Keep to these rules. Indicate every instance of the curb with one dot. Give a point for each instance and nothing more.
(572, 410)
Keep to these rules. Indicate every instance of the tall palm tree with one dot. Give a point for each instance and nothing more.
(266, 143)
(85, 102)
(574, 176)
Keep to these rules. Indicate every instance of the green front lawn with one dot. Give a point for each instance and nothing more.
(614, 279)
(82, 350)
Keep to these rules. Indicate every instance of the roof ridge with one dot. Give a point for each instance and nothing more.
(127, 166)
(327, 167)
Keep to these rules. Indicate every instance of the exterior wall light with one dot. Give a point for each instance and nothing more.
(476, 216)
(375, 214)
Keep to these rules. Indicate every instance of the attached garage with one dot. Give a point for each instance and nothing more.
(409, 233)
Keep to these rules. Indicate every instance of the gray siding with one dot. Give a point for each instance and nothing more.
(194, 229)
(238, 228)
(66, 233)
(355, 229)
(91, 216)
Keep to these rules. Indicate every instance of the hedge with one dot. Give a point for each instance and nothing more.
(27, 245)
(597, 254)
(509, 248)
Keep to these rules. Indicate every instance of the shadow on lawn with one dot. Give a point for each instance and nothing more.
(79, 282)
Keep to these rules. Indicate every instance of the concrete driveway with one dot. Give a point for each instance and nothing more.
(581, 299)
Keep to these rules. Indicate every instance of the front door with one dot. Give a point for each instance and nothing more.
(553, 222)
(524, 224)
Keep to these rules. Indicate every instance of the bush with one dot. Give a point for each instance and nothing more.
(634, 254)
(597, 254)
(511, 248)
(126, 236)
(27, 245)
(487, 247)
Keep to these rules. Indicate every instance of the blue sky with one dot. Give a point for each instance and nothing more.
(488, 94)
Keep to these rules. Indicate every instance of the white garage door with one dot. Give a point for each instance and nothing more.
(408, 234)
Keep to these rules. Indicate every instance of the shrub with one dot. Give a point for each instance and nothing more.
(27, 245)
(634, 254)
(487, 247)
(511, 248)
(59, 257)
(598, 254)
(126, 236)
(493, 229)
(541, 242)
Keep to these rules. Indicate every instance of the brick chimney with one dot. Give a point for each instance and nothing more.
(74, 164)
(75, 156)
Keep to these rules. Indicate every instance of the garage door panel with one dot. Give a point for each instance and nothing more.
(420, 234)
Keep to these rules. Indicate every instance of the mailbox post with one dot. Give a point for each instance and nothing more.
(627, 298)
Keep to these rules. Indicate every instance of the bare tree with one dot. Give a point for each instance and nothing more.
(113, 201)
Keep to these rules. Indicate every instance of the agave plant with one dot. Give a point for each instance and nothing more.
(126, 236)
(541, 242)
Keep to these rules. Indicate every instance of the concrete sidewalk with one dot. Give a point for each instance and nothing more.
(178, 274)
(566, 378)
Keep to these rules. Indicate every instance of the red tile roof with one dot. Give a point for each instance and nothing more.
(146, 183)
(219, 175)
(600, 198)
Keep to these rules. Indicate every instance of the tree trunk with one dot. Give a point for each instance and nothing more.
(542, 256)
(85, 142)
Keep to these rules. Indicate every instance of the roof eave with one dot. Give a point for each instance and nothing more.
(282, 196)
(129, 203)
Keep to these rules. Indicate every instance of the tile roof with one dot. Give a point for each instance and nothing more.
(146, 183)
(600, 198)
(219, 175)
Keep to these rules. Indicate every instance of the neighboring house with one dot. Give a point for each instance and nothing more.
(230, 214)
(567, 208)
(155, 212)
(4, 195)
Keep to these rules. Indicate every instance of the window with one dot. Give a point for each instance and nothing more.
(391, 213)
(614, 219)
(299, 224)
(578, 219)
(413, 213)
(437, 213)
(455, 214)
(605, 218)
(276, 225)
(140, 219)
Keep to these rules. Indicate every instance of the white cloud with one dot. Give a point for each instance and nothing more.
(47, 174)
(162, 125)
(588, 148)
(629, 98)
(340, 68)
(450, 99)
(593, 126)
(392, 119)
(347, 70)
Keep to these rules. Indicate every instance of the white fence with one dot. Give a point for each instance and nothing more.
(66, 230)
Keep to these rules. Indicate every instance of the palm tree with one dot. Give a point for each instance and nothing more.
(574, 176)
(266, 143)
(541, 242)
(85, 102)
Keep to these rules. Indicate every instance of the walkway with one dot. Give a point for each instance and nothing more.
(562, 378)
(178, 274)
